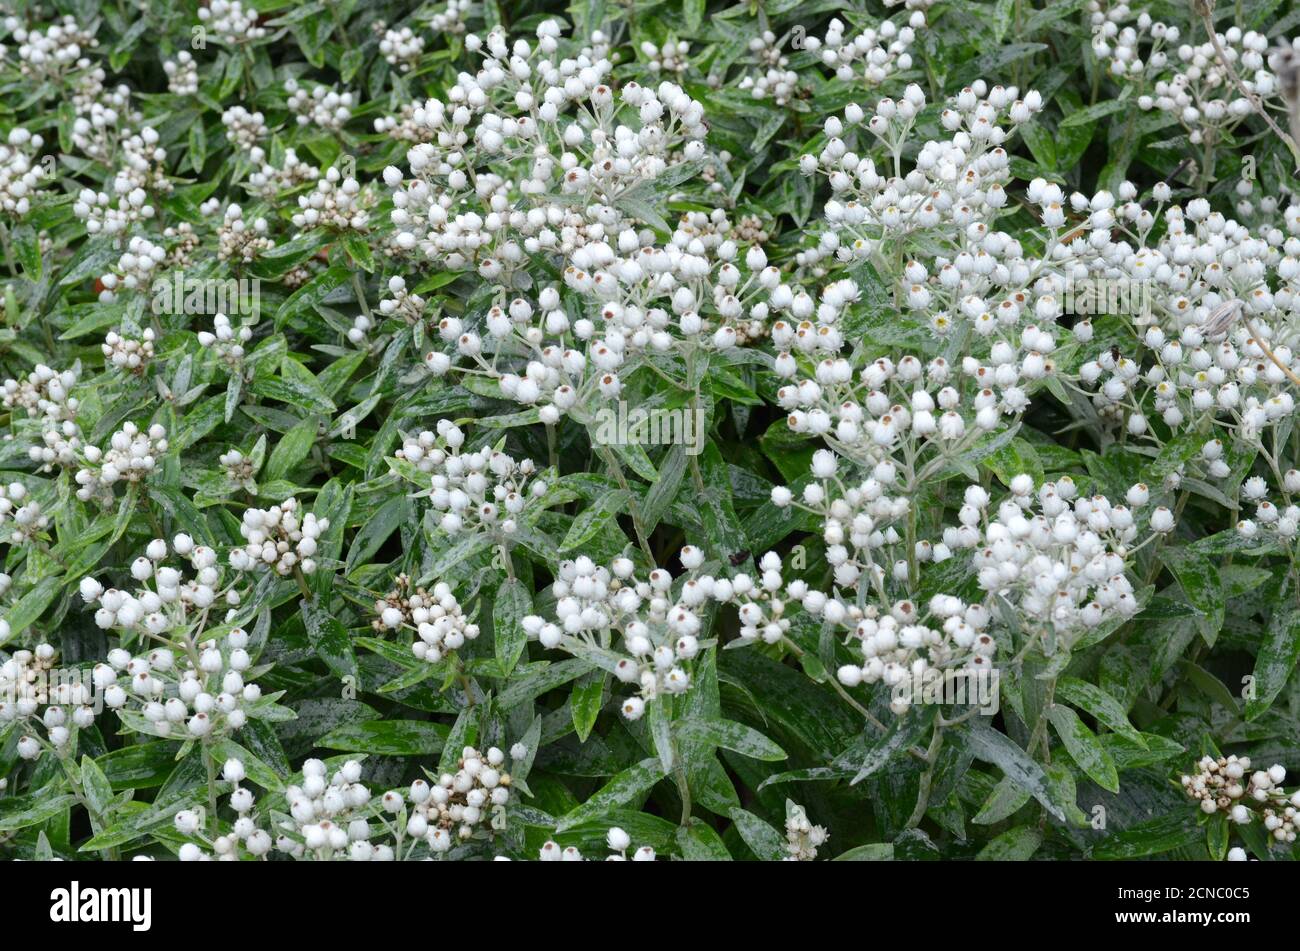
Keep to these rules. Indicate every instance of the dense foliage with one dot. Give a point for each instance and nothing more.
(780, 430)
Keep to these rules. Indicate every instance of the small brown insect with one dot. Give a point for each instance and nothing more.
(739, 558)
(1220, 320)
(1286, 64)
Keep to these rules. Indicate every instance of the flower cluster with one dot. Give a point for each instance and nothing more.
(400, 304)
(20, 514)
(761, 604)
(1192, 87)
(131, 456)
(104, 116)
(336, 202)
(240, 469)
(456, 805)
(688, 297)
(668, 57)
(202, 694)
(240, 240)
(1225, 784)
(401, 48)
(902, 421)
(1212, 363)
(31, 694)
(802, 837)
(127, 351)
(226, 341)
(1063, 565)
(136, 268)
(660, 632)
(616, 838)
(322, 107)
(246, 130)
(269, 181)
(482, 181)
(231, 22)
(955, 190)
(20, 174)
(166, 601)
(46, 393)
(436, 617)
(54, 51)
(256, 842)
(280, 538)
(182, 74)
(882, 50)
(1282, 522)
(903, 647)
(328, 816)
(484, 491)
(775, 81)
(46, 396)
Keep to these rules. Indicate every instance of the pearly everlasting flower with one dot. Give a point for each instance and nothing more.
(337, 203)
(484, 491)
(435, 617)
(1058, 557)
(1226, 784)
(182, 74)
(231, 22)
(226, 340)
(199, 689)
(21, 175)
(44, 704)
(492, 222)
(460, 804)
(330, 815)
(773, 79)
(137, 268)
(269, 181)
(281, 538)
(398, 304)
(322, 107)
(617, 840)
(246, 130)
(881, 50)
(55, 50)
(802, 837)
(242, 240)
(129, 352)
(165, 601)
(21, 516)
(132, 455)
(660, 631)
(401, 48)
